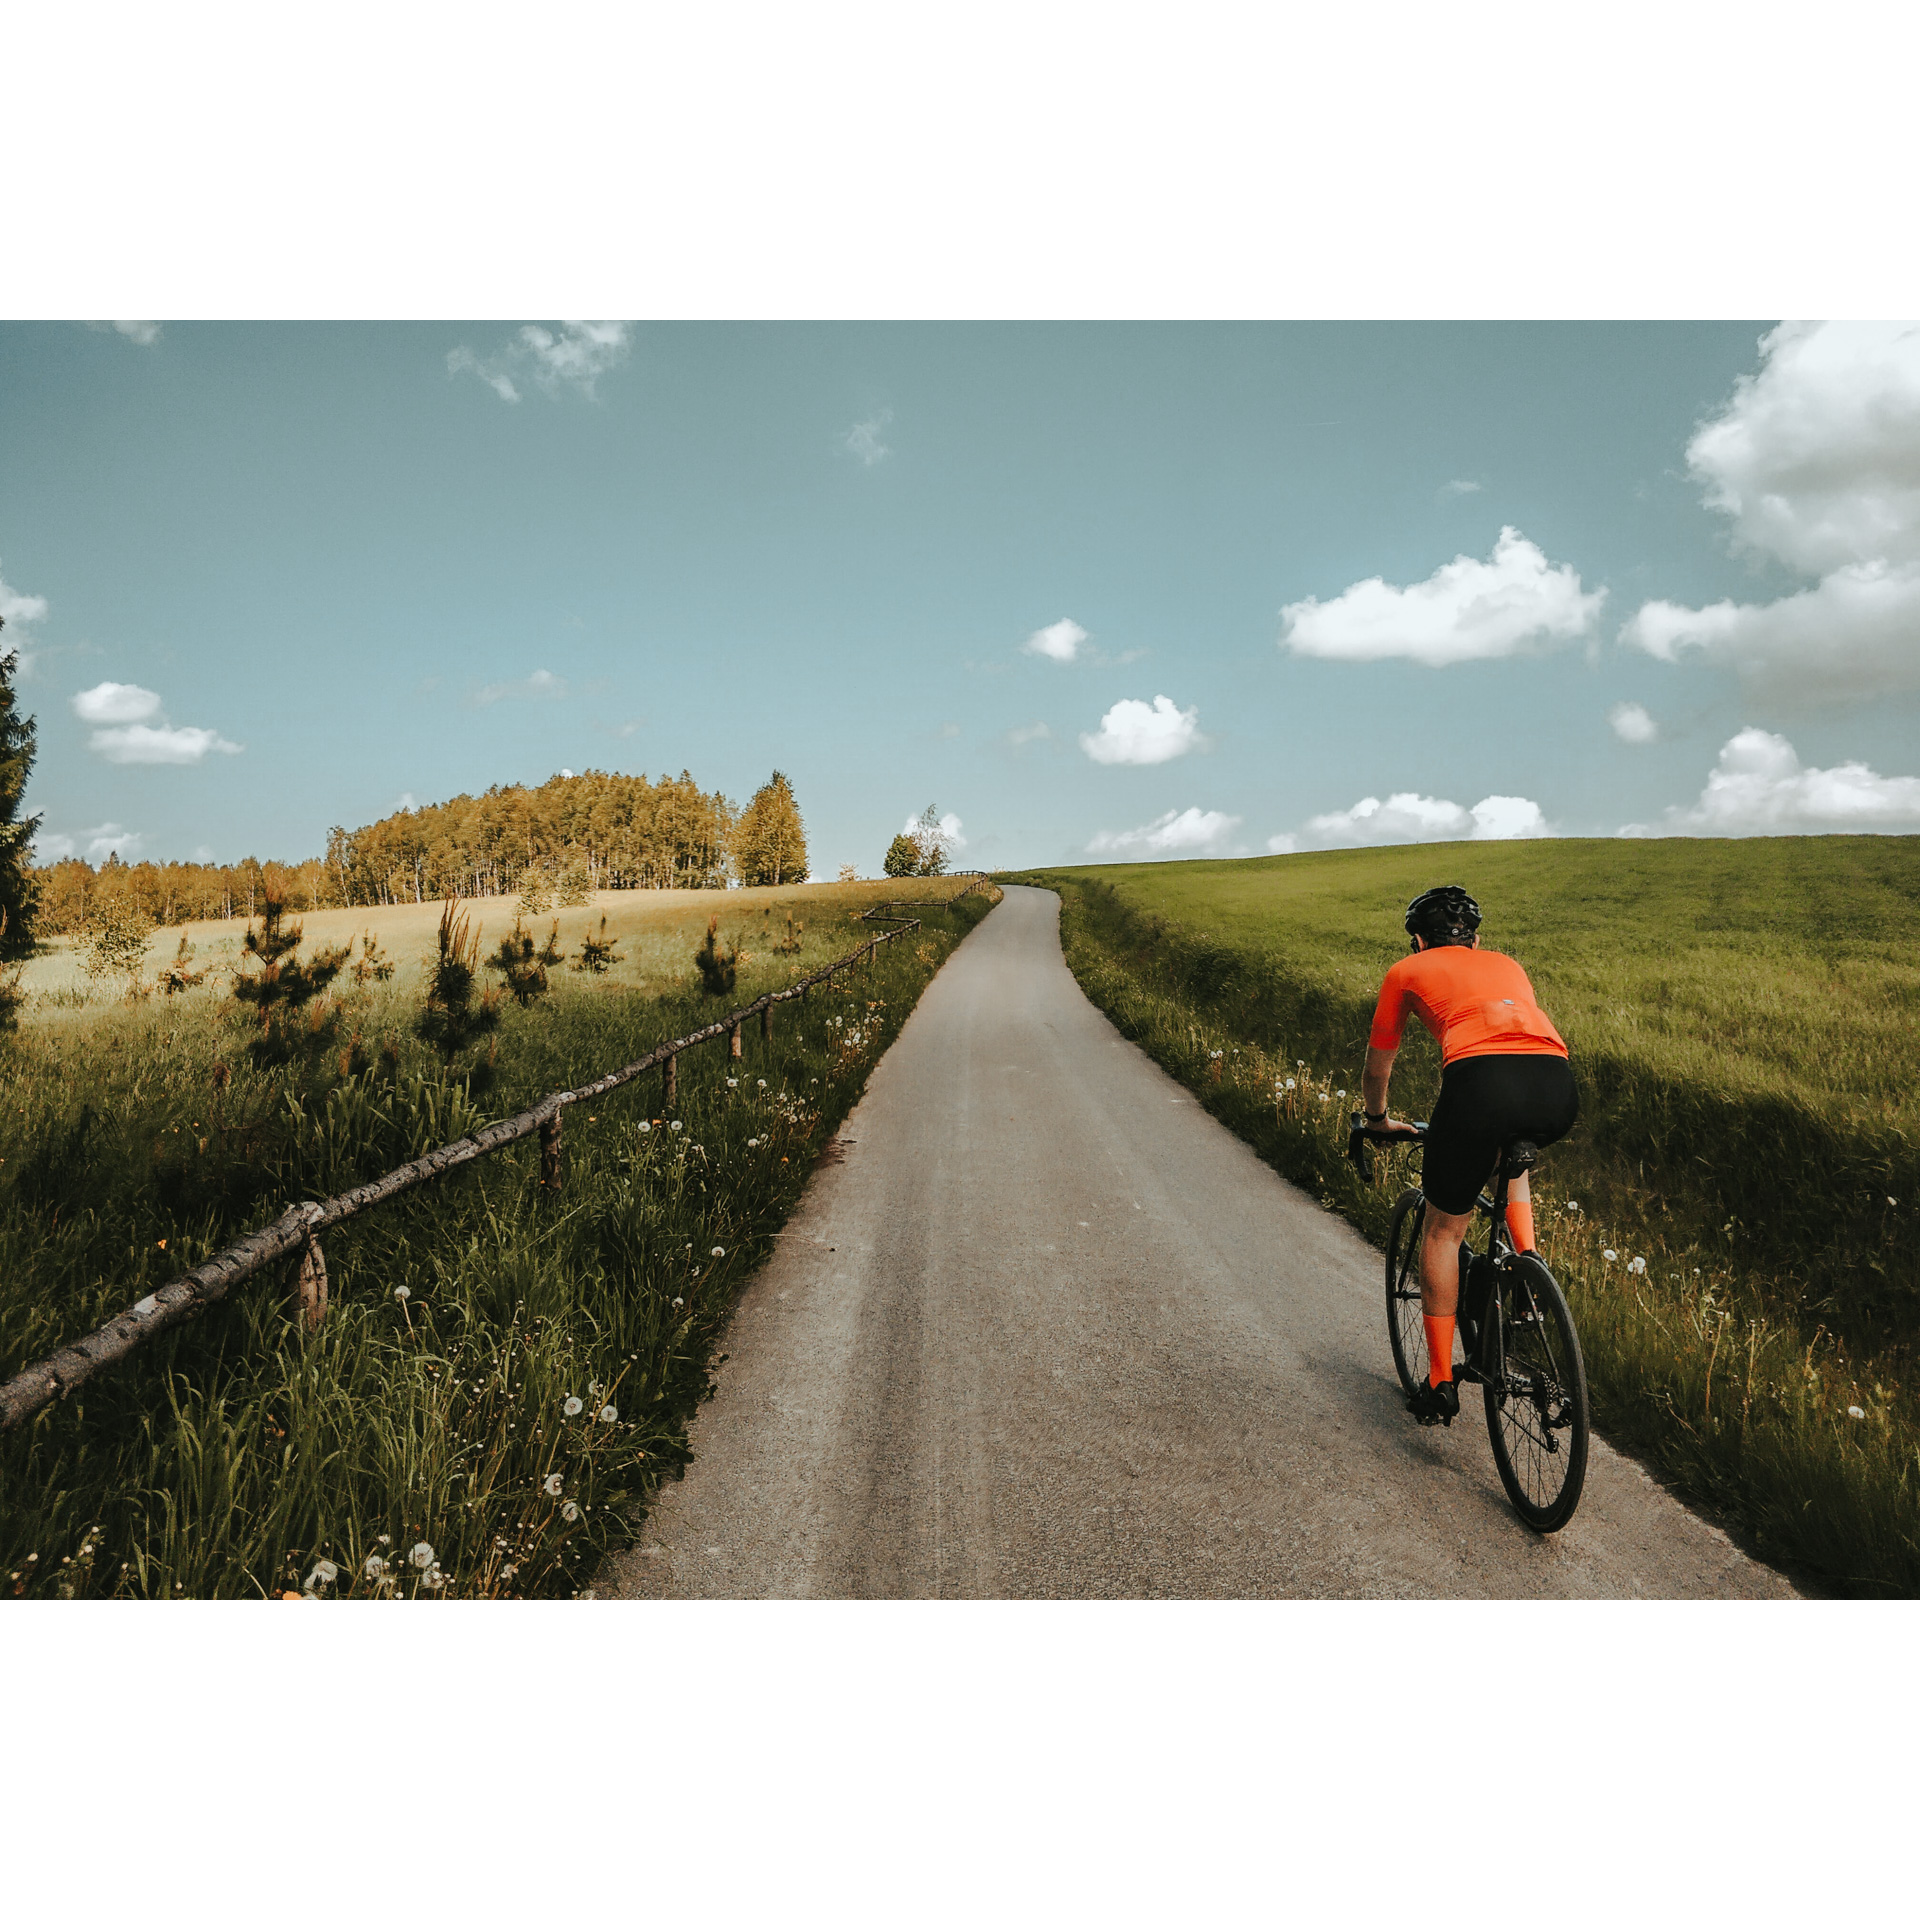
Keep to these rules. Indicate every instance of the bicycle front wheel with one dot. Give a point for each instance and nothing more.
(1406, 1330)
(1537, 1405)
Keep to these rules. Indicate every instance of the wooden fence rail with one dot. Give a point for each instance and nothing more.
(299, 1228)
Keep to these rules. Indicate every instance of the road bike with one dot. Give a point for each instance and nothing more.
(1521, 1346)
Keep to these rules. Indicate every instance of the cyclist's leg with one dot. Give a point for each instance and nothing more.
(1520, 1214)
(1440, 1286)
(1457, 1158)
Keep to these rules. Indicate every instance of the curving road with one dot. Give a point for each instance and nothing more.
(1041, 1327)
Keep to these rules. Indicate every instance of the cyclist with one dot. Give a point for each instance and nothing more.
(1504, 1075)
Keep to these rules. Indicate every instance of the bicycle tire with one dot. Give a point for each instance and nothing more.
(1406, 1329)
(1537, 1414)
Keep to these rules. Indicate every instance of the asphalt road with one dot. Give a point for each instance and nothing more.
(1041, 1327)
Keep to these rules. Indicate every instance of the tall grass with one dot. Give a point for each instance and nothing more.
(1776, 1286)
(432, 1416)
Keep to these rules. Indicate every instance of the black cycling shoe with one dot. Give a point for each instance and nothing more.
(1435, 1406)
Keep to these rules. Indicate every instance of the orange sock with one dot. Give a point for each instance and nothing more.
(1520, 1225)
(1439, 1348)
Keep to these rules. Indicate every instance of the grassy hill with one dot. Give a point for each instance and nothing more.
(1742, 1017)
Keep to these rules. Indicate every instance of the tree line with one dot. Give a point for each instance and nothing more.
(565, 837)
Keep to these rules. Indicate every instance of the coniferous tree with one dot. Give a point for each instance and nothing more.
(769, 842)
(17, 890)
(597, 954)
(451, 1018)
(525, 965)
(717, 964)
(286, 989)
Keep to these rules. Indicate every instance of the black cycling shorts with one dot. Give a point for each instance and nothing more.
(1485, 1102)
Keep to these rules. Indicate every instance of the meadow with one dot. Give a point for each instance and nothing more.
(502, 1378)
(1735, 1214)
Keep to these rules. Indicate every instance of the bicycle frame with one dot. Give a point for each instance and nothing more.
(1480, 1331)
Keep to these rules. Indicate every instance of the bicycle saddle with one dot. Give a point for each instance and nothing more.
(1521, 1154)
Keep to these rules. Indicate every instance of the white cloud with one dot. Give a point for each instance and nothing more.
(1816, 458)
(143, 333)
(1061, 641)
(1173, 834)
(863, 441)
(1405, 817)
(1466, 610)
(538, 685)
(1283, 843)
(1019, 736)
(1816, 461)
(118, 712)
(1461, 486)
(465, 360)
(161, 746)
(1633, 723)
(1133, 734)
(1857, 633)
(575, 353)
(18, 608)
(115, 701)
(1759, 786)
(92, 844)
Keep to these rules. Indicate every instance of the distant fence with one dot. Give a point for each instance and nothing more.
(298, 1230)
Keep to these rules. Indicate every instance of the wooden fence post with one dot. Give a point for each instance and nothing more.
(550, 1157)
(310, 1284)
(766, 1023)
(733, 1041)
(670, 1080)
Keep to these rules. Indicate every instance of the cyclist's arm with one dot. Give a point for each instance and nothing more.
(1373, 1082)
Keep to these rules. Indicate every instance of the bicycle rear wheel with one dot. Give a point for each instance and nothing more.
(1406, 1330)
(1537, 1406)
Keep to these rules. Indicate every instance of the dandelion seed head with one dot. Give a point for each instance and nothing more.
(1636, 1265)
(573, 1405)
(552, 1484)
(673, 1126)
(420, 1553)
(570, 1510)
(718, 1252)
(677, 1301)
(760, 1083)
(1607, 1253)
(403, 1293)
(1856, 1413)
(609, 1414)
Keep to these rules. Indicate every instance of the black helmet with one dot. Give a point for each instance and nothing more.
(1444, 917)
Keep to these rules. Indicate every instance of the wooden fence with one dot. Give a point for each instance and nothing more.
(298, 1230)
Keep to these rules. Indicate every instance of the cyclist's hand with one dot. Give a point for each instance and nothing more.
(1390, 1130)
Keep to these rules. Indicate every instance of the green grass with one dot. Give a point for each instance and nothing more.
(230, 1457)
(1741, 1020)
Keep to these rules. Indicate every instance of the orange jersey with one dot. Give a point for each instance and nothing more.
(1473, 1001)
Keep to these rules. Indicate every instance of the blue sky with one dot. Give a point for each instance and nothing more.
(1096, 590)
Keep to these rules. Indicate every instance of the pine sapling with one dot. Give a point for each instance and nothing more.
(452, 1018)
(523, 964)
(717, 966)
(597, 951)
(373, 963)
(294, 1019)
(183, 976)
